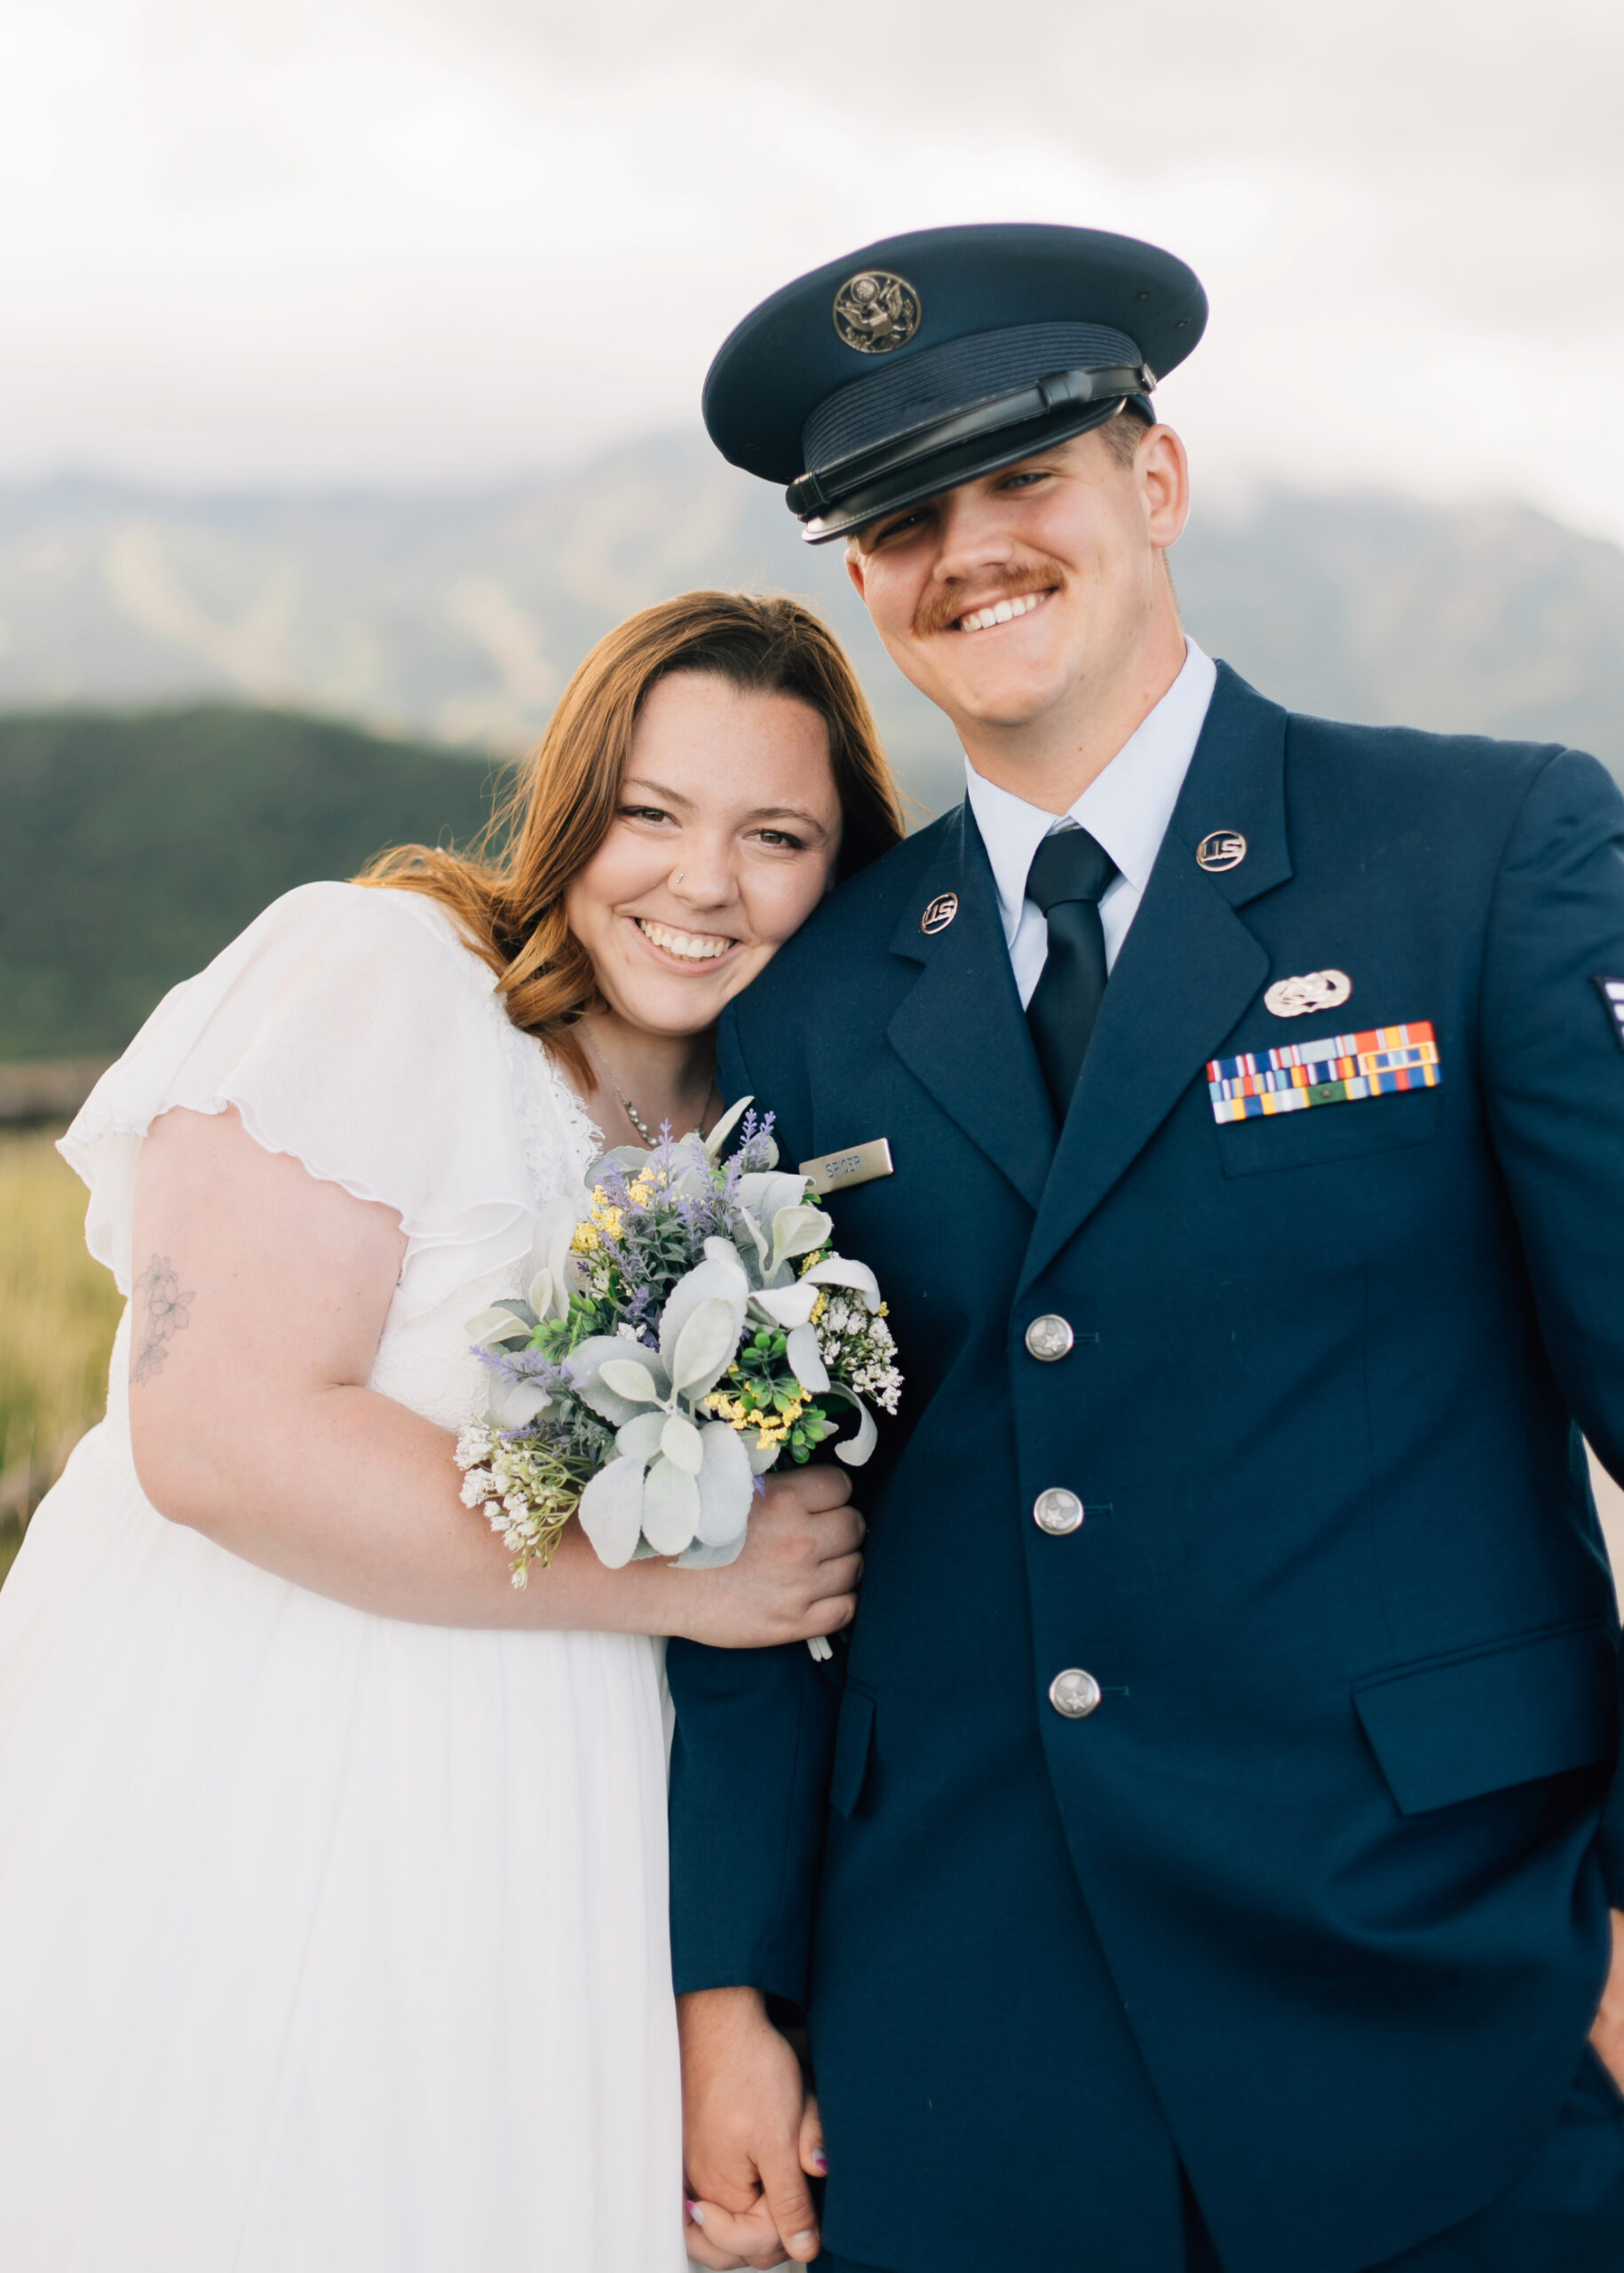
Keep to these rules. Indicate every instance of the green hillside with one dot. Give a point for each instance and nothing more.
(133, 846)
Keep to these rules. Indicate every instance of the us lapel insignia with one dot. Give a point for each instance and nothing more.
(1337, 1071)
(940, 912)
(1221, 849)
(858, 1164)
(1612, 992)
(1315, 990)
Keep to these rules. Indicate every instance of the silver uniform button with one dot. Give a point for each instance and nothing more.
(1058, 1511)
(1049, 1337)
(1074, 1693)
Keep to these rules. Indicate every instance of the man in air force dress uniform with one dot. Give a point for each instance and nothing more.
(1204, 1854)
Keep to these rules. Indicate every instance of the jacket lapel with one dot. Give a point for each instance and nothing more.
(1188, 967)
(961, 1030)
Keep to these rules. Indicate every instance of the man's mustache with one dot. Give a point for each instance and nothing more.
(940, 610)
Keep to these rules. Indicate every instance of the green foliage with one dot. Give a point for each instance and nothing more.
(57, 1313)
(132, 847)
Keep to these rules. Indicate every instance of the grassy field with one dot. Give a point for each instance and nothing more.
(57, 1313)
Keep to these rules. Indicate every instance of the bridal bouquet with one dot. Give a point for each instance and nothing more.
(686, 1325)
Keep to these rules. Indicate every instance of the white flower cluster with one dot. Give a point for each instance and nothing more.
(858, 1349)
(503, 1479)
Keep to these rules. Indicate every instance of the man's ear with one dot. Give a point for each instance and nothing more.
(1162, 471)
(854, 568)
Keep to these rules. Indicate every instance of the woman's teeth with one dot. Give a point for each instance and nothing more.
(982, 618)
(691, 946)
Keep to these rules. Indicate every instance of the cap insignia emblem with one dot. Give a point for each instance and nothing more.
(1315, 990)
(876, 312)
(940, 912)
(1221, 849)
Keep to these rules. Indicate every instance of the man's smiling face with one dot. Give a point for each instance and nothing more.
(1003, 600)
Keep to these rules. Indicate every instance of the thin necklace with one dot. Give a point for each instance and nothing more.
(634, 1117)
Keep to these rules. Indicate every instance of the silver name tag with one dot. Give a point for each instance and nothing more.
(839, 1171)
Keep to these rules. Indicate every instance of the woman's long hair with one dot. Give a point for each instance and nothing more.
(507, 895)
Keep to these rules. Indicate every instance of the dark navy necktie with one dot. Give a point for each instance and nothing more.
(1068, 874)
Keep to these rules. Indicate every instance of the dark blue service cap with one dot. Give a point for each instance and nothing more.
(927, 360)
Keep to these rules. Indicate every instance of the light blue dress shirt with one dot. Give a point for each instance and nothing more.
(1127, 809)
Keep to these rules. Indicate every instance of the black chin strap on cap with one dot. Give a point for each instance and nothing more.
(999, 431)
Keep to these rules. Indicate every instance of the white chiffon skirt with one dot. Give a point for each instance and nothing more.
(329, 1943)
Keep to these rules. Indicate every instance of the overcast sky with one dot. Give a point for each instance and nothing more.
(441, 241)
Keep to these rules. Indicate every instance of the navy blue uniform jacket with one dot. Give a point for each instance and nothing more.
(1315, 1902)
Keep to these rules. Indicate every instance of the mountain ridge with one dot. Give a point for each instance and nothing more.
(457, 618)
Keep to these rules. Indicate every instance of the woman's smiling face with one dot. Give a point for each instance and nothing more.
(725, 837)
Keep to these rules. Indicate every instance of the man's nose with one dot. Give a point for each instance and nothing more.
(975, 533)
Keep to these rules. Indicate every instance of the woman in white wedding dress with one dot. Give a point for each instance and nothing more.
(332, 1869)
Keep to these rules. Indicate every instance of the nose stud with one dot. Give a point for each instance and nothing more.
(677, 878)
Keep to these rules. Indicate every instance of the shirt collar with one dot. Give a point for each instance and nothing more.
(1125, 808)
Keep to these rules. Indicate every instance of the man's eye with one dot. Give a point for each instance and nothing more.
(1023, 480)
(904, 527)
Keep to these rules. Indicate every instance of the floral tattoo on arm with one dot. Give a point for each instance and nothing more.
(164, 1311)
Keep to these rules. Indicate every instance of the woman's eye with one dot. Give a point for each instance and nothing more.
(780, 840)
(644, 812)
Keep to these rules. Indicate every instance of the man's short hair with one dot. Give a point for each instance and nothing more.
(1123, 434)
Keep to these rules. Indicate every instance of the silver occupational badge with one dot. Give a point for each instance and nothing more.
(1221, 849)
(940, 912)
(1315, 990)
(876, 312)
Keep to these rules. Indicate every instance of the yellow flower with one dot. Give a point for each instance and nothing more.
(819, 1307)
(583, 1239)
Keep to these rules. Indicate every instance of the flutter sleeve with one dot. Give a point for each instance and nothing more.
(353, 1030)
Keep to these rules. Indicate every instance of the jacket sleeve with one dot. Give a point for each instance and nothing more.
(1553, 1051)
(749, 1780)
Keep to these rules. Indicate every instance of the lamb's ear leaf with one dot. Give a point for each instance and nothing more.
(610, 1511)
(840, 1270)
(806, 1360)
(679, 1441)
(706, 1345)
(797, 1230)
(670, 1507)
(639, 1440)
(725, 1487)
(512, 1404)
(725, 1127)
(786, 1306)
(583, 1366)
(502, 1324)
(628, 1379)
(700, 1557)
(721, 1276)
(860, 1447)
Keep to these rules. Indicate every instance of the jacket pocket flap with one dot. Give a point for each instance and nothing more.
(853, 1738)
(1455, 1727)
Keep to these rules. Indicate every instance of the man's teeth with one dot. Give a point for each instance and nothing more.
(982, 618)
(692, 946)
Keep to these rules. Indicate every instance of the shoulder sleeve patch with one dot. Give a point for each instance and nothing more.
(1612, 992)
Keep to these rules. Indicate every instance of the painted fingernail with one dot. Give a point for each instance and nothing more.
(820, 2163)
(695, 2213)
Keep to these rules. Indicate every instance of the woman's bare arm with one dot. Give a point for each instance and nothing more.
(260, 1296)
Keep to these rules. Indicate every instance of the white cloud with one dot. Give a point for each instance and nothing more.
(393, 240)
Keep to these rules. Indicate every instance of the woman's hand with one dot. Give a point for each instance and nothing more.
(796, 1577)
